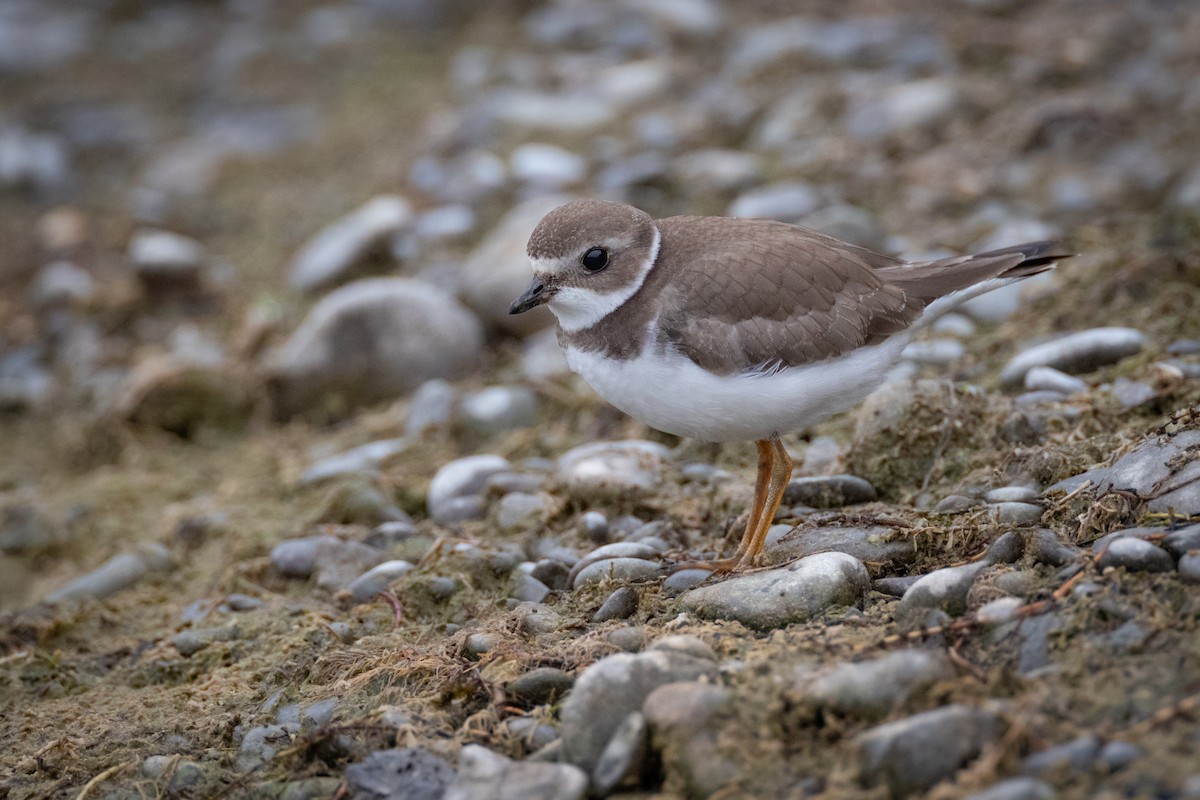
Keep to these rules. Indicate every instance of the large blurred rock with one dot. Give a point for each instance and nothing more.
(183, 396)
(330, 255)
(497, 271)
(372, 340)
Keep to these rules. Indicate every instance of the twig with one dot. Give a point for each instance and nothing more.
(103, 776)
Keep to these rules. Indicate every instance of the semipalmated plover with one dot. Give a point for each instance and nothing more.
(723, 329)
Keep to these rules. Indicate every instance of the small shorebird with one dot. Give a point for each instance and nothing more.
(725, 329)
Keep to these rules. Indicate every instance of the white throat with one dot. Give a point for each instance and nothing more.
(578, 308)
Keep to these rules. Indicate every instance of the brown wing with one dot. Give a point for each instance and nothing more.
(754, 294)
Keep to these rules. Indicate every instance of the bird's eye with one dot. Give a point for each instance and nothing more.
(595, 259)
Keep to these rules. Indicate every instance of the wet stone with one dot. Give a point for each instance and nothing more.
(828, 491)
(541, 686)
(871, 689)
(1078, 352)
(484, 775)
(617, 685)
(1136, 555)
(778, 597)
(915, 753)
(621, 604)
(406, 772)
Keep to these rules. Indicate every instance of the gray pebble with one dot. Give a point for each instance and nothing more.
(1000, 611)
(1049, 379)
(541, 686)
(595, 526)
(828, 491)
(533, 733)
(537, 618)
(479, 643)
(687, 720)
(681, 580)
(243, 602)
(1180, 542)
(871, 689)
(616, 569)
(194, 640)
(547, 166)
(630, 638)
(610, 551)
(1019, 583)
(1016, 789)
(609, 469)
(1072, 758)
(878, 544)
(915, 753)
(1131, 394)
(119, 572)
(377, 579)
(431, 407)
(330, 255)
(520, 511)
(1019, 514)
(529, 589)
(1136, 555)
(954, 504)
(1006, 549)
(1118, 754)
(622, 758)
(1047, 548)
(484, 775)
(617, 685)
(954, 324)
(1012, 494)
(259, 745)
(406, 772)
(459, 479)
(895, 586)
(364, 458)
(1078, 352)
(945, 589)
(782, 201)
(621, 604)
(935, 352)
(1189, 567)
(553, 573)
(778, 597)
(499, 408)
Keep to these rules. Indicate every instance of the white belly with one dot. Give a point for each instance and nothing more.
(667, 391)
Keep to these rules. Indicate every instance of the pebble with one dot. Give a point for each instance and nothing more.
(359, 501)
(778, 597)
(552, 572)
(378, 579)
(497, 270)
(541, 686)
(935, 352)
(782, 201)
(1016, 789)
(870, 690)
(821, 456)
(334, 562)
(521, 511)
(876, 112)
(630, 468)
(1049, 379)
(621, 604)
(119, 572)
(622, 758)
(895, 586)
(685, 719)
(1019, 583)
(595, 526)
(405, 332)
(62, 284)
(954, 324)
(537, 618)
(407, 772)
(497, 409)
(1007, 548)
(955, 504)
(615, 550)
(828, 491)
(681, 580)
(331, 255)
(477, 644)
(944, 589)
(463, 478)
(1131, 394)
(718, 170)
(1012, 494)
(616, 569)
(1000, 611)
(1117, 754)
(531, 732)
(1019, 514)
(878, 544)
(617, 685)
(528, 589)
(444, 223)
(542, 359)
(165, 259)
(1078, 352)
(1160, 470)
(1179, 542)
(1136, 555)
(1047, 548)
(259, 746)
(28, 159)
(547, 166)
(364, 458)
(1069, 759)
(196, 639)
(1189, 567)
(484, 775)
(431, 407)
(913, 754)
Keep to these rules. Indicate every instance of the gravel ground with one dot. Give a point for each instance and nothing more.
(291, 508)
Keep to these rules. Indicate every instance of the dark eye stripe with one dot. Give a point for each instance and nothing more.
(595, 259)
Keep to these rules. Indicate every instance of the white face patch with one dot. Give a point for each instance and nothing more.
(578, 308)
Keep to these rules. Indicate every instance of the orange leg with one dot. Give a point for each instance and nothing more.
(780, 474)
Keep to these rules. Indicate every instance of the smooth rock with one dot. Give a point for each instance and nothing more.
(622, 758)
(497, 270)
(119, 572)
(532, 733)
(1007, 548)
(685, 719)
(542, 359)
(915, 753)
(541, 686)
(431, 407)
(528, 589)
(1019, 514)
(1163, 471)
(1000, 611)
(874, 112)
(782, 201)
(407, 772)
(1131, 394)
(871, 689)
(778, 597)
(1012, 494)
(484, 775)
(945, 589)
(331, 255)
(259, 746)
(1189, 567)
(558, 112)
(552, 572)
(62, 284)
(1065, 760)
(1117, 754)
(1047, 548)
(547, 166)
(1180, 542)
(1016, 789)
(1076, 353)
(876, 545)
(372, 340)
(462, 478)
(359, 501)
(1136, 555)
(364, 458)
(611, 469)
(955, 504)
(499, 408)
(611, 551)
(617, 685)
(537, 618)
(718, 170)
(378, 579)
(828, 491)
(895, 586)
(621, 604)
(1049, 379)
(616, 569)
(680, 581)
(164, 259)
(935, 352)
(954, 324)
